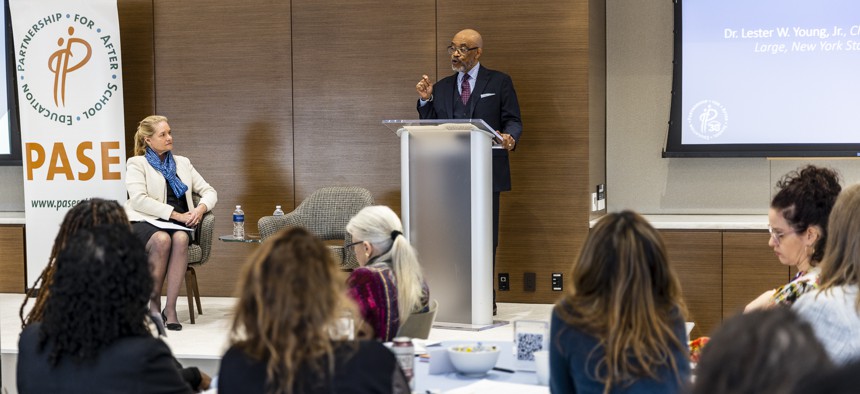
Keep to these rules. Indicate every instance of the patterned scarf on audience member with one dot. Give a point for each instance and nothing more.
(168, 169)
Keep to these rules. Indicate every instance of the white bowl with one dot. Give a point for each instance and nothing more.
(470, 360)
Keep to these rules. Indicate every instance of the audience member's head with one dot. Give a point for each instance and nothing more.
(844, 380)
(841, 264)
(381, 233)
(290, 293)
(799, 212)
(761, 352)
(100, 293)
(86, 214)
(625, 293)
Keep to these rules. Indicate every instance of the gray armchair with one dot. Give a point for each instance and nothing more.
(198, 254)
(418, 325)
(325, 214)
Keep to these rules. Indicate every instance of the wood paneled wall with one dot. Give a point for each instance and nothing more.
(749, 269)
(223, 76)
(138, 68)
(356, 63)
(721, 272)
(272, 100)
(697, 259)
(12, 262)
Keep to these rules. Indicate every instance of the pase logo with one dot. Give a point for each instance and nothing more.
(708, 119)
(68, 67)
(62, 62)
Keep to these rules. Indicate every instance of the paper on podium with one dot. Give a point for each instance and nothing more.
(397, 126)
(167, 225)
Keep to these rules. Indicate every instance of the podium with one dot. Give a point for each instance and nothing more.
(446, 208)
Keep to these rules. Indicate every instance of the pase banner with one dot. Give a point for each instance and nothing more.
(70, 98)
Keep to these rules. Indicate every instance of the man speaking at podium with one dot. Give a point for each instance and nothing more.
(476, 92)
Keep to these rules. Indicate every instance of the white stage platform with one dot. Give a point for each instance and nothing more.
(202, 344)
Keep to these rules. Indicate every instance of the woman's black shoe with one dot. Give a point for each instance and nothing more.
(170, 326)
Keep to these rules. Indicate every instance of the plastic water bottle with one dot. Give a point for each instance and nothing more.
(239, 223)
(278, 211)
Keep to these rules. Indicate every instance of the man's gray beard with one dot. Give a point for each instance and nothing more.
(460, 69)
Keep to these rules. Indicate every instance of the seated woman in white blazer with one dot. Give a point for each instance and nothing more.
(159, 187)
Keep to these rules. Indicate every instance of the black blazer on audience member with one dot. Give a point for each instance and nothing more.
(369, 368)
(130, 365)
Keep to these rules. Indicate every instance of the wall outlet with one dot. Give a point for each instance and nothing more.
(557, 281)
(529, 279)
(504, 282)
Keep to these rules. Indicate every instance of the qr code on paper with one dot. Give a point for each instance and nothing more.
(528, 344)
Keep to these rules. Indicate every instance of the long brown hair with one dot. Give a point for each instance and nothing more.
(86, 214)
(290, 293)
(625, 293)
(841, 263)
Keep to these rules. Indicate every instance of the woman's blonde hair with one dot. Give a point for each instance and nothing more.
(625, 293)
(146, 128)
(375, 224)
(290, 294)
(841, 263)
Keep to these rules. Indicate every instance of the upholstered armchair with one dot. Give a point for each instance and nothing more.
(418, 325)
(198, 254)
(325, 214)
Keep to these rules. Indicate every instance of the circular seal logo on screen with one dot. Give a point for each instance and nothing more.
(69, 67)
(708, 119)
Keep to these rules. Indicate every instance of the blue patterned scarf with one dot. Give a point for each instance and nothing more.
(168, 169)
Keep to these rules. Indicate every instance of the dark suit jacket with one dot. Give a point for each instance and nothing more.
(499, 108)
(130, 365)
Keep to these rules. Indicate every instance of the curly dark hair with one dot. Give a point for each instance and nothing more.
(85, 215)
(100, 293)
(765, 351)
(805, 198)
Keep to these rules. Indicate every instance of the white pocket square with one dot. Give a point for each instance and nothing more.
(487, 95)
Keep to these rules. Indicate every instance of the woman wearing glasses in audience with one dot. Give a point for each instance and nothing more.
(797, 221)
(160, 185)
(621, 326)
(291, 297)
(834, 310)
(389, 285)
